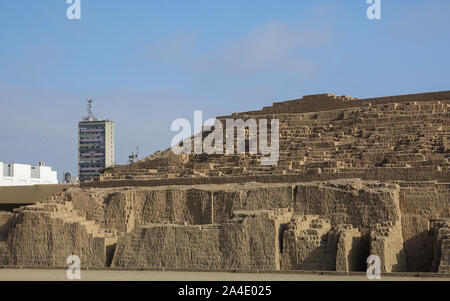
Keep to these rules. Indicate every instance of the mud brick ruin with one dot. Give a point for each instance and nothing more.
(355, 177)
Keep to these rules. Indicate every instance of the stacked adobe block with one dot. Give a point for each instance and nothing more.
(355, 177)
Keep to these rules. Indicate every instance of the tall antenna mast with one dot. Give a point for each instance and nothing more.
(89, 108)
(134, 156)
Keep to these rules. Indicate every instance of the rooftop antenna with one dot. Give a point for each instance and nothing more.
(89, 108)
(133, 157)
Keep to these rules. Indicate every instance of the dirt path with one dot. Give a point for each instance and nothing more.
(90, 275)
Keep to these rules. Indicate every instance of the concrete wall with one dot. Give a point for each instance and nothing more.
(43, 175)
(109, 144)
(28, 194)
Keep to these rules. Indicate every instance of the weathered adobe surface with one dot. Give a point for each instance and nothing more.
(398, 138)
(317, 226)
(441, 260)
(355, 177)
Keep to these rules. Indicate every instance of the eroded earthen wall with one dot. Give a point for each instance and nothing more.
(386, 241)
(352, 249)
(40, 240)
(192, 222)
(421, 204)
(308, 244)
(251, 241)
(441, 237)
(349, 202)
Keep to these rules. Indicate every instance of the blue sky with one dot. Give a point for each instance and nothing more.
(146, 63)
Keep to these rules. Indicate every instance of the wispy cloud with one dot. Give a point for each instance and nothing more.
(157, 82)
(274, 46)
(175, 48)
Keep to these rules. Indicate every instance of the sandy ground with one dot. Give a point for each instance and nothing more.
(90, 275)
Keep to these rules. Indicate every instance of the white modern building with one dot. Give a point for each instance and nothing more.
(14, 174)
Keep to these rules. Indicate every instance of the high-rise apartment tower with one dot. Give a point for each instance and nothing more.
(95, 145)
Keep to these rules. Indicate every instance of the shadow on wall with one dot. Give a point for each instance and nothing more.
(11, 207)
(6, 223)
(359, 253)
(419, 251)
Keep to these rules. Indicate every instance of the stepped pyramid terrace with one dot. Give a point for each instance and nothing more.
(354, 178)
